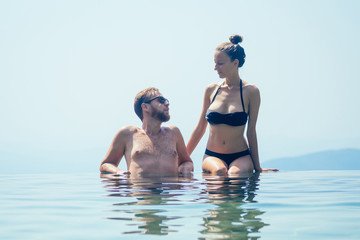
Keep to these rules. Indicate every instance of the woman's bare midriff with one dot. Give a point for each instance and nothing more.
(226, 139)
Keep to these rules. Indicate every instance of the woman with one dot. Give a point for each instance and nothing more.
(228, 106)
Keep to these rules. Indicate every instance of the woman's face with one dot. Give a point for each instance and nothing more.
(223, 64)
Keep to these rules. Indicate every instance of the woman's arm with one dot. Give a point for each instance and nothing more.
(200, 128)
(253, 111)
(254, 105)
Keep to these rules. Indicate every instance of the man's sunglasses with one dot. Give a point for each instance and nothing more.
(161, 99)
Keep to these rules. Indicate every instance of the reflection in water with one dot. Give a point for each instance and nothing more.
(154, 194)
(231, 219)
(154, 205)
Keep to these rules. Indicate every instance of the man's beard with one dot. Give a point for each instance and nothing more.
(161, 116)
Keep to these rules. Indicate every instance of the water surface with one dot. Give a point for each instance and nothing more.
(283, 205)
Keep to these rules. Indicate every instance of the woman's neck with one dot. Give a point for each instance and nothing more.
(233, 80)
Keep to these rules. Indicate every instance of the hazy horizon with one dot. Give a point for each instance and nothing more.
(71, 70)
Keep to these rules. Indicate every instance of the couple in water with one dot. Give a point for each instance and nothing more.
(228, 106)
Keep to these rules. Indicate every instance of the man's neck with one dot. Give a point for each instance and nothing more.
(151, 127)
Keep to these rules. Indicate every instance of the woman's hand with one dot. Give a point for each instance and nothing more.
(269, 169)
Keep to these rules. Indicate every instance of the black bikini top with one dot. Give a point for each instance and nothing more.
(232, 119)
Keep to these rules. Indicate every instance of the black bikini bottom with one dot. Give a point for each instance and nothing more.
(228, 158)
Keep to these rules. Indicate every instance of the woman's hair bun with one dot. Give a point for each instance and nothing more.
(235, 39)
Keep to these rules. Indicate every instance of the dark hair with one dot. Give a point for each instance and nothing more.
(233, 49)
(142, 97)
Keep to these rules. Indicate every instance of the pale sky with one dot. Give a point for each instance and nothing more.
(70, 71)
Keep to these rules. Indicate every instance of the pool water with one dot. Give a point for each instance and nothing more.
(282, 205)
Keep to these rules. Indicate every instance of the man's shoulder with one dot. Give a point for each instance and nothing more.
(128, 130)
(173, 129)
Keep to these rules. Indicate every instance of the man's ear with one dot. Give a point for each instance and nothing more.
(144, 107)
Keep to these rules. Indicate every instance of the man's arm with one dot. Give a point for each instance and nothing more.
(185, 163)
(115, 153)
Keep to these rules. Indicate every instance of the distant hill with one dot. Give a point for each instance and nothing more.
(344, 159)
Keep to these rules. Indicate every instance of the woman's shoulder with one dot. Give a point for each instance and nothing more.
(251, 88)
(212, 87)
(251, 92)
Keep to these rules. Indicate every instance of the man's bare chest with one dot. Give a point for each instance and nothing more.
(162, 146)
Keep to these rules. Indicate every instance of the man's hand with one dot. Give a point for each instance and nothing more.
(122, 172)
(186, 169)
(111, 168)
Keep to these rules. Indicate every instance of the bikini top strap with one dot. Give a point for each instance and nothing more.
(241, 95)
(216, 93)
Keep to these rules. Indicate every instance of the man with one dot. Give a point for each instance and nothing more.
(152, 149)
